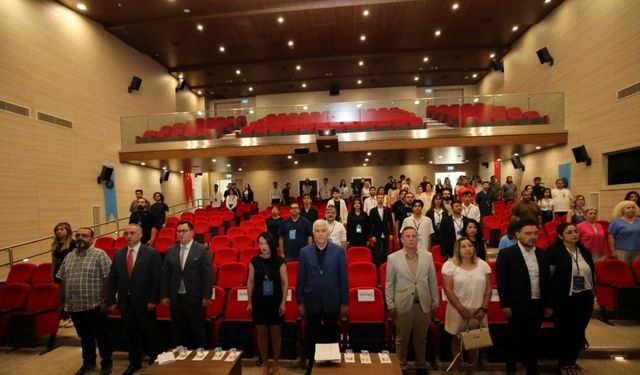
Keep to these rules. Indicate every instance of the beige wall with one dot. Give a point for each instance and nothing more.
(595, 45)
(59, 62)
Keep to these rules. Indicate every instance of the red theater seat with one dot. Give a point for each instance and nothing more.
(21, 273)
(13, 299)
(231, 275)
(365, 328)
(358, 254)
(362, 274)
(42, 274)
(40, 317)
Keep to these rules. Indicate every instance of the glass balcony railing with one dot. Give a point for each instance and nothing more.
(360, 116)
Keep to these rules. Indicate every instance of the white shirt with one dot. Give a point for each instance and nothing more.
(457, 225)
(232, 201)
(561, 199)
(370, 203)
(325, 192)
(585, 271)
(471, 211)
(275, 194)
(534, 271)
(337, 233)
(216, 199)
(424, 228)
(135, 252)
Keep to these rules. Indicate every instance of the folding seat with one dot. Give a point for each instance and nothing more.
(104, 242)
(120, 243)
(189, 132)
(362, 274)
(365, 325)
(187, 216)
(42, 274)
(616, 290)
(260, 129)
(166, 232)
(435, 253)
(13, 299)
(306, 128)
(416, 123)
(492, 264)
(253, 233)
(504, 227)
(290, 129)
(218, 242)
(368, 126)
(247, 253)
(542, 242)
(246, 225)
(635, 267)
(292, 273)
(491, 229)
(438, 267)
(243, 210)
(176, 133)
(172, 222)
(162, 244)
(247, 131)
(201, 231)
(236, 329)
(604, 223)
(228, 219)
(232, 274)
(275, 129)
(500, 119)
(216, 225)
(400, 124)
(242, 241)
(224, 255)
(164, 133)
(148, 136)
(215, 312)
(235, 231)
(358, 254)
(549, 228)
(40, 317)
(352, 127)
(322, 126)
(515, 116)
(21, 273)
(430, 110)
(533, 117)
(382, 273)
(498, 328)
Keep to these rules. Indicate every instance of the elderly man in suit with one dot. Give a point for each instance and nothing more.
(322, 288)
(187, 282)
(134, 282)
(411, 292)
(523, 277)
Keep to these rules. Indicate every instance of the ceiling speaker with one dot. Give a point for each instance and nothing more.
(544, 56)
(334, 90)
(135, 84)
(581, 156)
(517, 163)
(105, 173)
(164, 176)
(497, 65)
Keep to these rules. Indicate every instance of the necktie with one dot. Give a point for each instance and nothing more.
(183, 255)
(130, 262)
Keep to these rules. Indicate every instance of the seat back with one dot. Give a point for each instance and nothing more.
(162, 244)
(361, 311)
(383, 274)
(42, 274)
(232, 275)
(635, 267)
(21, 273)
(247, 254)
(217, 242)
(292, 273)
(218, 298)
(241, 242)
(225, 255)
(104, 243)
(362, 274)
(42, 297)
(234, 232)
(358, 254)
(236, 310)
(14, 295)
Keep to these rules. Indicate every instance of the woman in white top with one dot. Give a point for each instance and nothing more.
(546, 206)
(216, 197)
(467, 284)
(365, 189)
(232, 200)
(344, 190)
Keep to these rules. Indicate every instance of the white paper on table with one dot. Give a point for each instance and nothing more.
(184, 355)
(200, 355)
(328, 352)
(494, 295)
(384, 357)
(289, 295)
(242, 295)
(219, 355)
(232, 356)
(366, 295)
(165, 358)
(349, 358)
(365, 359)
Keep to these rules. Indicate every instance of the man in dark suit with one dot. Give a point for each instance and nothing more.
(523, 277)
(134, 283)
(322, 288)
(451, 229)
(187, 282)
(381, 230)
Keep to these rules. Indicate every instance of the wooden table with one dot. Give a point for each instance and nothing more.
(357, 368)
(204, 367)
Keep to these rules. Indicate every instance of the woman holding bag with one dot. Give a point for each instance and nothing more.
(467, 284)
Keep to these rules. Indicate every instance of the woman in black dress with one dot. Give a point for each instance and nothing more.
(437, 213)
(61, 246)
(471, 230)
(267, 290)
(357, 225)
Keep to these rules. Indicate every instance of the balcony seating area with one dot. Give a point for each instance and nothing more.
(480, 114)
(200, 129)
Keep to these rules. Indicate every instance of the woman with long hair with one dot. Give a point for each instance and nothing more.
(61, 245)
(267, 286)
(158, 210)
(357, 225)
(546, 206)
(576, 215)
(471, 230)
(437, 213)
(344, 190)
(247, 194)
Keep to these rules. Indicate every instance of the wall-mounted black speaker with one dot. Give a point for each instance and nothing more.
(544, 56)
(334, 90)
(105, 173)
(164, 176)
(581, 156)
(301, 150)
(135, 84)
(497, 65)
(485, 164)
(517, 163)
(181, 84)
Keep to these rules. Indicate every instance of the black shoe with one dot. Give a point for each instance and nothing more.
(132, 368)
(106, 369)
(87, 367)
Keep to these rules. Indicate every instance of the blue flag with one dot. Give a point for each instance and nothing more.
(110, 201)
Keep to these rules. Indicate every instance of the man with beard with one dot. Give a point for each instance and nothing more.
(446, 198)
(143, 217)
(403, 211)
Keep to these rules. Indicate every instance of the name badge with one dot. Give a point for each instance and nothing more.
(292, 234)
(267, 288)
(578, 283)
(420, 239)
(358, 228)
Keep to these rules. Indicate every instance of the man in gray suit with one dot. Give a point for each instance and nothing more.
(187, 281)
(411, 292)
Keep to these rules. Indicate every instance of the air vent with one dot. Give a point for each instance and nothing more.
(13, 108)
(54, 120)
(628, 91)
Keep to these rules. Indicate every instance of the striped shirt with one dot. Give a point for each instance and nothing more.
(83, 276)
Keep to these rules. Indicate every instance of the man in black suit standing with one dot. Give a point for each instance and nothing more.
(451, 229)
(381, 230)
(187, 281)
(134, 282)
(523, 277)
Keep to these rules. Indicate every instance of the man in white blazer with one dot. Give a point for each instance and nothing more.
(411, 293)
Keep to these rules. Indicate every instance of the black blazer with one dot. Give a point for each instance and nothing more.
(197, 273)
(144, 284)
(561, 278)
(447, 235)
(514, 286)
(381, 225)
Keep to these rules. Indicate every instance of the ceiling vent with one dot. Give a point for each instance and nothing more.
(55, 120)
(13, 108)
(628, 91)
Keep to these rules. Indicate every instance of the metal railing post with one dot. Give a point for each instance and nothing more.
(10, 257)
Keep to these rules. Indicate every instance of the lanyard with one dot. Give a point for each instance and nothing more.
(437, 216)
(458, 227)
(264, 268)
(331, 231)
(417, 225)
(577, 257)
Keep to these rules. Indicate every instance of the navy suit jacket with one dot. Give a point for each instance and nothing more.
(144, 284)
(326, 289)
(197, 273)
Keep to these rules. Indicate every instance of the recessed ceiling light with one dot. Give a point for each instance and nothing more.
(364, 164)
(290, 43)
(368, 154)
(492, 55)
(214, 160)
(547, 1)
(289, 157)
(498, 159)
(430, 161)
(228, 165)
(475, 75)
(250, 88)
(365, 12)
(363, 38)
(200, 113)
(280, 19)
(200, 27)
(475, 100)
(251, 111)
(416, 78)
(516, 154)
(359, 82)
(199, 92)
(416, 102)
(360, 63)
(466, 77)
(439, 156)
(239, 169)
(221, 49)
(186, 10)
(367, 159)
(181, 171)
(425, 59)
(81, 6)
(304, 108)
(180, 76)
(514, 28)
(438, 32)
(164, 168)
(298, 67)
(304, 85)
(295, 162)
(143, 163)
(455, 6)
(238, 72)
(538, 147)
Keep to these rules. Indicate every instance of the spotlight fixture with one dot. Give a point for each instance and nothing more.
(221, 49)
(514, 28)
(290, 43)
(425, 59)
(360, 63)
(81, 6)
(304, 85)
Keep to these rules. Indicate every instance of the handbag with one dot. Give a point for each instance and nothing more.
(471, 339)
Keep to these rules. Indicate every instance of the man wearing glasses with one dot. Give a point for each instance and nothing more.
(295, 233)
(83, 290)
(187, 282)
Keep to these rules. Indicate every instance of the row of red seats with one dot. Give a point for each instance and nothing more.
(262, 129)
(479, 114)
(201, 128)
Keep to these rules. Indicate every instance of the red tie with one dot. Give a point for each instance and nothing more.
(130, 262)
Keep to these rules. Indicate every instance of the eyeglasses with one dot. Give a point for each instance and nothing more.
(83, 235)
(183, 230)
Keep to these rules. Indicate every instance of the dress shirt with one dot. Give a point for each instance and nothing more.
(534, 271)
(184, 253)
